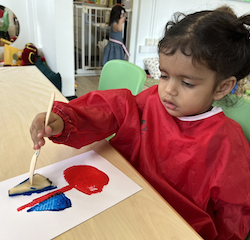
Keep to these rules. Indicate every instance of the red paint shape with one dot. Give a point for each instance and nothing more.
(86, 179)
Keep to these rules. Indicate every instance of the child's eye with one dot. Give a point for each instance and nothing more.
(188, 84)
(164, 77)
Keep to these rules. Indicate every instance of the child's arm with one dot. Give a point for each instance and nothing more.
(38, 132)
(94, 116)
(117, 27)
(233, 221)
(231, 185)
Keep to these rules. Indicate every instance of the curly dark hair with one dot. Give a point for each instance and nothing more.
(217, 39)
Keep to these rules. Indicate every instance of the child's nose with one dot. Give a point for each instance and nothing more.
(171, 87)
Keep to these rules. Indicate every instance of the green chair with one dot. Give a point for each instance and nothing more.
(118, 74)
(240, 112)
(248, 236)
(6, 22)
(122, 74)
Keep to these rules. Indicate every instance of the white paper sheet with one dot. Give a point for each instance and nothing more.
(45, 225)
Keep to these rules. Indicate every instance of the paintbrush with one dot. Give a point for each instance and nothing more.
(36, 154)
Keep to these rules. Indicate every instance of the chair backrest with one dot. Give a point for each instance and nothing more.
(240, 112)
(6, 22)
(122, 74)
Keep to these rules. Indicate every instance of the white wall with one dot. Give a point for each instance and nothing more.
(48, 24)
(55, 35)
(153, 15)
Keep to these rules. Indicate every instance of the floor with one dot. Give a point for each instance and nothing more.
(86, 84)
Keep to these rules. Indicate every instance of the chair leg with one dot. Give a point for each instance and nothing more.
(108, 138)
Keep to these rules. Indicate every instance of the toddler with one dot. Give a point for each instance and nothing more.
(187, 149)
(115, 49)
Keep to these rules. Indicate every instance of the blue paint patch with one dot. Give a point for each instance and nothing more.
(57, 202)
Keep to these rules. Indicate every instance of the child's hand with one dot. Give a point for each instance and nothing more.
(38, 131)
(123, 17)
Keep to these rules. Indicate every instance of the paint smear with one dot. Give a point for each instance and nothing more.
(57, 202)
(84, 178)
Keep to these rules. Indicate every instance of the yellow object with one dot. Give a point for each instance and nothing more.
(5, 41)
(97, 2)
(12, 56)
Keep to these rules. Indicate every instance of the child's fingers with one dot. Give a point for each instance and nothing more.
(37, 130)
(39, 144)
(55, 125)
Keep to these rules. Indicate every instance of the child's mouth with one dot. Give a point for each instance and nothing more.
(170, 105)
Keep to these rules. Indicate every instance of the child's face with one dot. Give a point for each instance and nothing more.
(185, 89)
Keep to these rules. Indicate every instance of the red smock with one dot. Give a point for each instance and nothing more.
(199, 164)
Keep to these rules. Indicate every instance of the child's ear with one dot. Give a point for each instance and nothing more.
(224, 87)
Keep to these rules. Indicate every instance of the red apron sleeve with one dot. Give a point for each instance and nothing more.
(94, 116)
